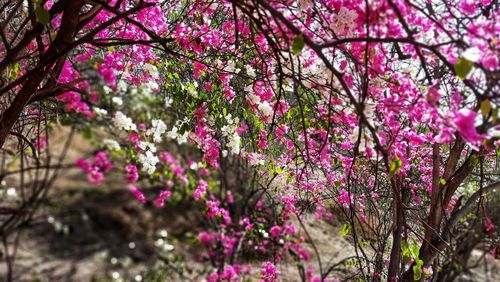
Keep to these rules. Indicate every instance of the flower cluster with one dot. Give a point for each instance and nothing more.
(95, 169)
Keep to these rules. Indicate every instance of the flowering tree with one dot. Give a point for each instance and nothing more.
(263, 111)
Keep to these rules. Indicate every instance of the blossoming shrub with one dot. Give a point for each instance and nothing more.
(263, 111)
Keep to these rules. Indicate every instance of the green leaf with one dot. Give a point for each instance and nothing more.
(463, 67)
(405, 249)
(395, 166)
(415, 250)
(42, 15)
(417, 269)
(298, 44)
(15, 71)
(443, 181)
(485, 107)
(474, 160)
(345, 229)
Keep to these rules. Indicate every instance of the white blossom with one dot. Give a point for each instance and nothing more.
(234, 144)
(265, 109)
(107, 89)
(255, 159)
(249, 89)
(152, 70)
(157, 129)
(264, 233)
(153, 85)
(253, 99)
(172, 134)
(147, 146)
(100, 112)
(195, 165)
(146, 91)
(229, 131)
(472, 54)
(121, 121)
(250, 71)
(182, 138)
(168, 102)
(112, 144)
(149, 161)
(344, 20)
(231, 67)
(117, 101)
(11, 192)
(121, 86)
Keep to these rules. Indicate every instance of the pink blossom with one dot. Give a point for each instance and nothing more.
(198, 67)
(275, 231)
(468, 7)
(101, 160)
(229, 197)
(208, 86)
(240, 130)
(490, 227)
(268, 272)
(83, 164)
(490, 62)
(137, 193)
(134, 138)
(344, 198)
(167, 158)
(160, 200)
(108, 75)
(228, 274)
(95, 176)
(200, 190)
(464, 123)
(132, 174)
(263, 139)
(40, 143)
(205, 237)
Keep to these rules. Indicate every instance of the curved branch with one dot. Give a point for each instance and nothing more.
(470, 204)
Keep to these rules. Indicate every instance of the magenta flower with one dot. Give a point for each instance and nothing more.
(132, 174)
(268, 272)
(490, 227)
(95, 176)
(468, 7)
(83, 164)
(160, 200)
(490, 62)
(275, 231)
(205, 237)
(198, 67)
(137, 193)
(101, 160)
(108, 75)
(464, 123)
